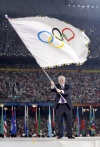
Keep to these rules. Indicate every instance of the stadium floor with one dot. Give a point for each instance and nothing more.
(51, 142)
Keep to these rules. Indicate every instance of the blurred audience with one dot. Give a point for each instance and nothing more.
(34, 86)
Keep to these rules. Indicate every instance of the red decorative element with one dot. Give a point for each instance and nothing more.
(5, 129)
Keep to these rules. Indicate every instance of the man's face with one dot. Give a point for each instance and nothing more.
(61, 81)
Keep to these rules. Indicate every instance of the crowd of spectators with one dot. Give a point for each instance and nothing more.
(10, 43)
(34, 86)
(66, 67)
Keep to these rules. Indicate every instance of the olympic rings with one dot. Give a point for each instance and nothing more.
(45, 32)
(61, 38)
(65, 35)
(55, 45)
(59, 33)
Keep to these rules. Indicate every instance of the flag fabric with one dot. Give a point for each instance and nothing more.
(15, 119)
(49, 124)
(25, 121)
(34, 109)
(53, 119)
(93, 123)
(46, 37)
(13, 127)
(77, 124)
(82, 124)
(5, 125)
(36, 125)
(2, 123)
(90, 120)
(39, 122)
(82, 127)
(36, 122)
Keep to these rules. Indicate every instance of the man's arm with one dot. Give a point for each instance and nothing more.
(54, 89)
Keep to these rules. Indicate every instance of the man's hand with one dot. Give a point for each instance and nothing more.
(59, 91)
(52, 84)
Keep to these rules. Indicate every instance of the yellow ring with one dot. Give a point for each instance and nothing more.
(55, 45)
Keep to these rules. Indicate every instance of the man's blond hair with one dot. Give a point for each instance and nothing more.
(61, 77)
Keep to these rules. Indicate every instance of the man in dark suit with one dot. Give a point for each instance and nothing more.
(63, 106)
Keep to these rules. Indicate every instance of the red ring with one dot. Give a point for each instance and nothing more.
(72, 33)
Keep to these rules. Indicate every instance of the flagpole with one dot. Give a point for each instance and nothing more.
(12, 122)
(36, 123)
(2, 121)
(12, 110)
(25, 120)
(46, 73)
(13, 129)
(5, 124)
(90, 120)
(15, 120)
(54, 117)
(39, 123)
(49, 124)
(77, 123)
(27, 123)
(82, 123)
(82, 110)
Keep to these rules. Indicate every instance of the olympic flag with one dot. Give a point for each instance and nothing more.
(51, 41)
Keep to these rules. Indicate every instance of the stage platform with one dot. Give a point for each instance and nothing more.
(50, 142)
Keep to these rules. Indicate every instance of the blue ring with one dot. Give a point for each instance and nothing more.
(43, 40)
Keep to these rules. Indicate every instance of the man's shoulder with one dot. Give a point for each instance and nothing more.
(67, 86)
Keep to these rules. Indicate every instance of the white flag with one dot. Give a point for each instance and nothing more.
(51, 41)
